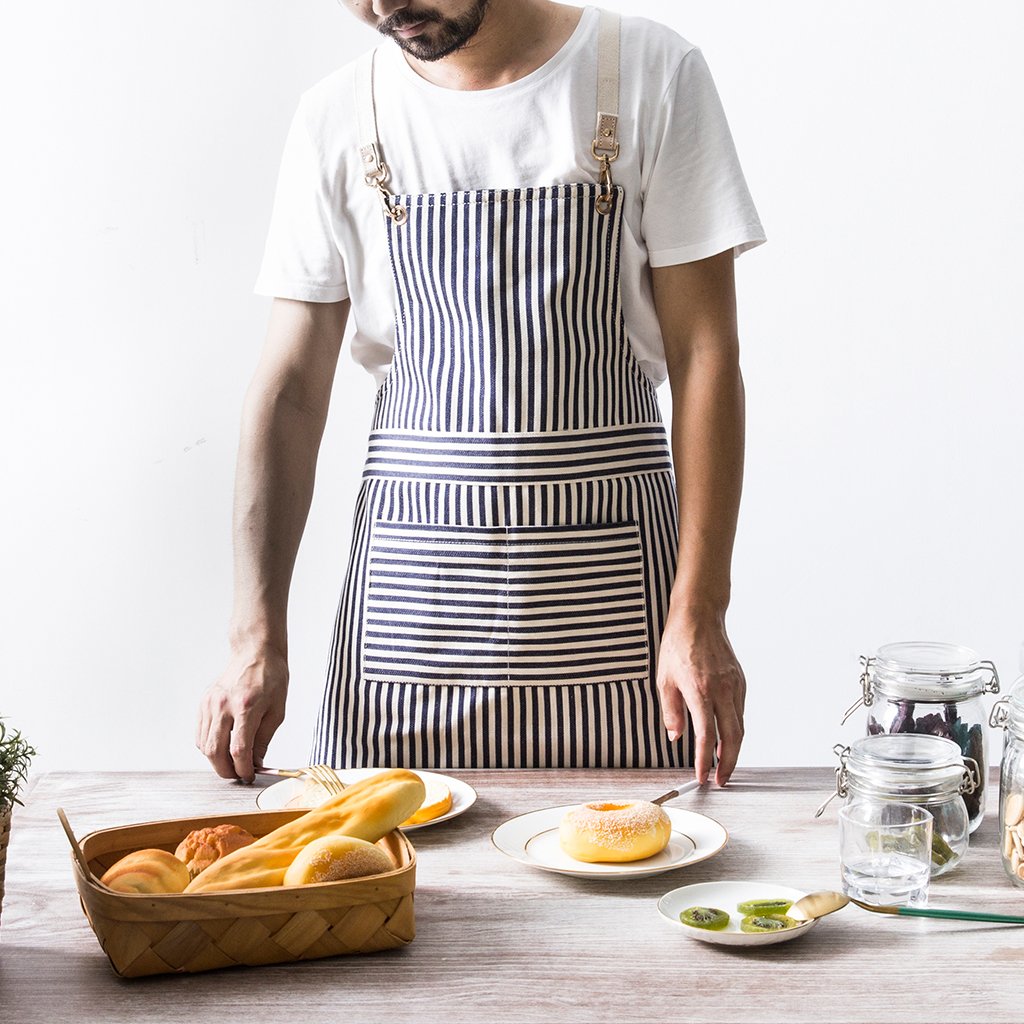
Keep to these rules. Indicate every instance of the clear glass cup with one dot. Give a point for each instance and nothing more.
(885, 851)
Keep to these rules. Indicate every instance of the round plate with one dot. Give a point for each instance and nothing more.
(532, 839)
(288, 793)
(726, 896)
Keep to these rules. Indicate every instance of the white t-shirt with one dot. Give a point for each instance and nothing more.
(685, 194)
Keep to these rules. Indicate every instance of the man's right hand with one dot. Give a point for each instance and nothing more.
(282, 424)
(241, 711)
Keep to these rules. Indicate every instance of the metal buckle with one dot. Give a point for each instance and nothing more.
(992, 686)
(843, 753)
(867, 697)
(609, 155)
(972, 776)
(1000, 714)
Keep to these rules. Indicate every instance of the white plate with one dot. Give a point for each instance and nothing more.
(726, 896)
(288, 793)
(533, 839)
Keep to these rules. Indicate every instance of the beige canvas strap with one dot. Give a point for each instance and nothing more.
(375, 171)
(605, 146)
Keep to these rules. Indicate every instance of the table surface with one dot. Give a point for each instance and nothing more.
(497, 940)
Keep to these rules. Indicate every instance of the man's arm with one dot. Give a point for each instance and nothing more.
(282, 424)
(696, 306)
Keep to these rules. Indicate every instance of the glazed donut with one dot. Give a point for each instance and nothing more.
(618, 831)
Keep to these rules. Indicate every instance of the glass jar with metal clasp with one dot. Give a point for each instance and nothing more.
(926, 770)
(932, 689)
(1008, 714)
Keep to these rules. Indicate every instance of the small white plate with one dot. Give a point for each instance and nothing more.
(532, 839)
(288, 793)
(727, 896)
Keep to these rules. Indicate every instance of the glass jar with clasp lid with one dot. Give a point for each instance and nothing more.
(926, 770)
(1008, 714)
(933, 689)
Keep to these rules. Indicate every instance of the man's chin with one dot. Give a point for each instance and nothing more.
(423, 51)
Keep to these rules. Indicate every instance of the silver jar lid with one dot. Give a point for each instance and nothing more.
(927, 671)
(899, 761)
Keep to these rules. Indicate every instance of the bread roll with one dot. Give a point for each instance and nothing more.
(147, 871)
(201, 847)
(334, 857)
(368, 809)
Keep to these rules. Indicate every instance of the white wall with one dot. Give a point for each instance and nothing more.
(883, 352)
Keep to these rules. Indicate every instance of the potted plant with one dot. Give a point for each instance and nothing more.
(15, 755)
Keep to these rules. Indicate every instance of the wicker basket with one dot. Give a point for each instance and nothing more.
(5, 835)
(163, 934)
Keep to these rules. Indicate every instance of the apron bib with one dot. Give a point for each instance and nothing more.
(515, 533)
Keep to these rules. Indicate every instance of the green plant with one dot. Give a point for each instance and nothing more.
(15, 755)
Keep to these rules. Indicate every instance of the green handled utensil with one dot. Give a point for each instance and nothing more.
(952, 915)
(818, 904)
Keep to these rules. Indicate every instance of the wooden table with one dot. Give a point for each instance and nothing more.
(498, 941)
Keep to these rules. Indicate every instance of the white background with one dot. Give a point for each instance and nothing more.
(880, 325)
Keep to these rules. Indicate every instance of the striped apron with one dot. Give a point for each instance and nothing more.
(515, 534)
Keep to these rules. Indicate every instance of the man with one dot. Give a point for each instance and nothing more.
(532, 211)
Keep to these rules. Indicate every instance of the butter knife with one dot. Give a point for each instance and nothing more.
(686, 787)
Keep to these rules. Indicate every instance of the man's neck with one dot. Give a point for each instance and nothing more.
(515, 38)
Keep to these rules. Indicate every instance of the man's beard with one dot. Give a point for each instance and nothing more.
(450, 35)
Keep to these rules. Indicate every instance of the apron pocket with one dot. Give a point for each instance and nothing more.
(521, 605)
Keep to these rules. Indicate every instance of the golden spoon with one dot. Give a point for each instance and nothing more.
(818, 904)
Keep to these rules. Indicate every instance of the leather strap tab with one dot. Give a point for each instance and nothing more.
(606, 135)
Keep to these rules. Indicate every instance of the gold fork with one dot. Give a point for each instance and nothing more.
(323, 774)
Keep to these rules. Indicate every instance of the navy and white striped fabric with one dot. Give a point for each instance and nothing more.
(515, 536)
(504, 604)
(509, 315)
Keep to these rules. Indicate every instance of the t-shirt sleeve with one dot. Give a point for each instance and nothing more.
(301, 259)
(696, 201)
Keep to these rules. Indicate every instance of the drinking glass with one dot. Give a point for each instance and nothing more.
(885, 850)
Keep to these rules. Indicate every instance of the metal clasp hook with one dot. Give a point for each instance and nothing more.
(843, 753)
(992, 686)
(604, 199)
(1000, 714)
(972, 776)
(867, 697)
(375, 177)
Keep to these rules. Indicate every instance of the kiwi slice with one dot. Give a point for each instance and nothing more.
(762, 908)
(767, 923)
(705, 917)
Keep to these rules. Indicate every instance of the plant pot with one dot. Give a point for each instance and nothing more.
(5, 834)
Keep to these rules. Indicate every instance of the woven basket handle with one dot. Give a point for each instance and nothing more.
(75, 848)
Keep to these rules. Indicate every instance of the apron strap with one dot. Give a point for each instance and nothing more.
(375, 171)
(605, 146)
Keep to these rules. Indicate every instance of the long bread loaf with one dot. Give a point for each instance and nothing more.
(368, 810)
